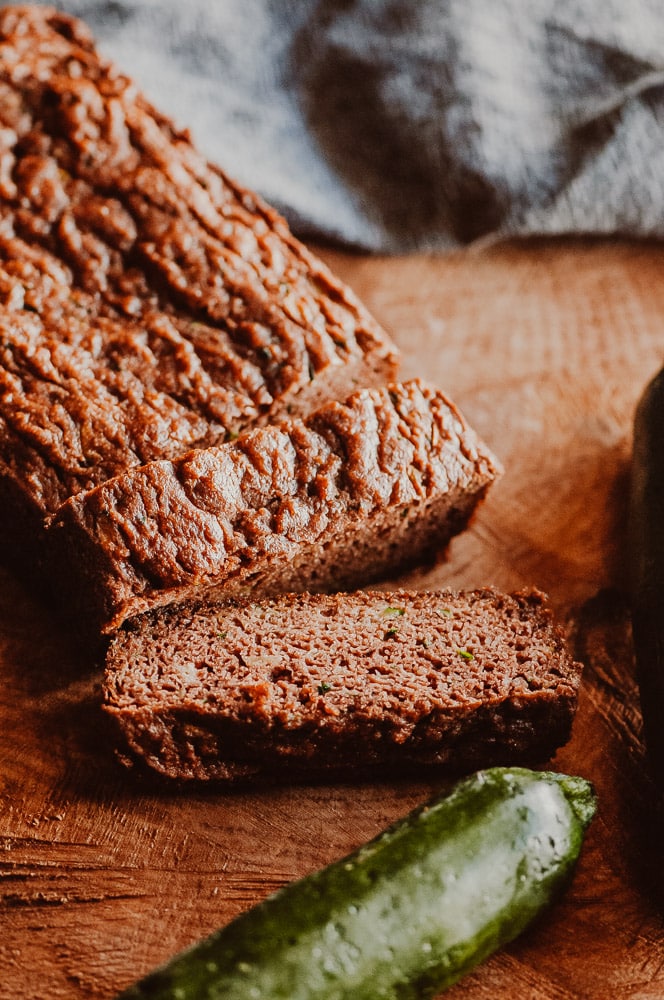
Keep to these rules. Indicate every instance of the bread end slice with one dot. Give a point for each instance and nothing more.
(356, 493)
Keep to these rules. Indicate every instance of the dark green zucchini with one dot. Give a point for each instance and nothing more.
(407, 914)
(646, 563)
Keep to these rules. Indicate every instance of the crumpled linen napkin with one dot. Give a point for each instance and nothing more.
(395, 125)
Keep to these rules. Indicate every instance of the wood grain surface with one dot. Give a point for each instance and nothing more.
(546, 348)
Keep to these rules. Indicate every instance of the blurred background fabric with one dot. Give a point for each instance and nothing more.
(396, 125)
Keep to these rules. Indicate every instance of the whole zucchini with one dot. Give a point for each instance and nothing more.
(646, 563)
(408, 913)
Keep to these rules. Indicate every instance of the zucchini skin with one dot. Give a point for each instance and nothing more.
(646, 565)
(407, 914)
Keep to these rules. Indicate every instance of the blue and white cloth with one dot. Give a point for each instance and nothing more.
(395, 125)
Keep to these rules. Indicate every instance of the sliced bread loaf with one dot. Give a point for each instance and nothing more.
(341, 685)
(357, 492)
(148, 304)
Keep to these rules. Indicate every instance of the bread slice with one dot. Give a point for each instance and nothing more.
(148, 304)
(355, 493)
(341, 685)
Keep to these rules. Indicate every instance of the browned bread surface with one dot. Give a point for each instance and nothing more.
(148, 304)
(354, 493)
(341, 684)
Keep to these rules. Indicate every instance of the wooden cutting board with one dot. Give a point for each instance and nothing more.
(546, 347)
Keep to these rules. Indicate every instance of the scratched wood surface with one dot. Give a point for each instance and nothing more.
(546, 347)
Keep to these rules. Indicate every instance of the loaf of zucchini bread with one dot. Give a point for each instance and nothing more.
(193, 409)
(148, 304)
(341, 685)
